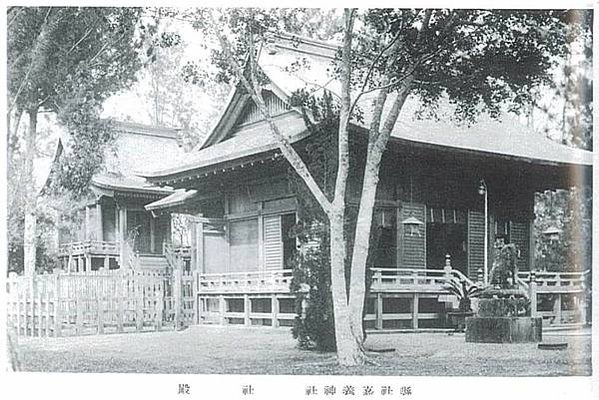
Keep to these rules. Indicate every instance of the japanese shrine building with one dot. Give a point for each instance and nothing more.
(235, 184)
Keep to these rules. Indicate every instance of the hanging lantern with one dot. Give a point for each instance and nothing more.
(412, 225)
(552, 233)
(482, 187)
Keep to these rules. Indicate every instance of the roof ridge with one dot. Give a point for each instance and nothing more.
(144, 129)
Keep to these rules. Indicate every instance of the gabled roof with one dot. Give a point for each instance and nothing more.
(136, 147)
(505, 137)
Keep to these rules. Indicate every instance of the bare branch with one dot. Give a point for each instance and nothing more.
(82, 38)
(376, 59)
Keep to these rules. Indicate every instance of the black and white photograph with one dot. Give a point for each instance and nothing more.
(373, 199)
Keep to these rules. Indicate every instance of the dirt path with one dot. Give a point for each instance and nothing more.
(232, 350)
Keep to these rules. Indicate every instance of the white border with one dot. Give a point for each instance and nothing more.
(150, 386)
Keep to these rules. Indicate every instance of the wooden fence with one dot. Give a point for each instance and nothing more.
(109, 301)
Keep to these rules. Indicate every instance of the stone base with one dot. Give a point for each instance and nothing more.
(503, 329)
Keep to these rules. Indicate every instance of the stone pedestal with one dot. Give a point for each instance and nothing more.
(503, 329)
(503, 320)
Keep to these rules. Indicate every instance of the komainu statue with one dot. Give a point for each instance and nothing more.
(504, 273)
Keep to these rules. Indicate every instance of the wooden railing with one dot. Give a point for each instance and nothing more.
(246, 282)
(89, 247)
(550, 282)
(181, 251)
(411, 280)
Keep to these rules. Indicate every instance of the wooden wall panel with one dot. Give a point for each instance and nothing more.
(413, 244)
(476, 242)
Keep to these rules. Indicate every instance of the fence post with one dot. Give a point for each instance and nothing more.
(196, 296)
(30, 308)
(222, 309)
(415, 301)
(177, 293)
(47, 301)
(533, 294)
(18, 289)
(246, 310)
(275, 311)
(79, 316)
(57, 315)
(379, 311)
(40, 309)
(159, 296)
(100, 309)
(139, 306)
(120, 312)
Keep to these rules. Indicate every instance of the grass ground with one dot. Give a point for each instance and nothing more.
(232, 350)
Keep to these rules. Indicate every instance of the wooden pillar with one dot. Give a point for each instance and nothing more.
(222, 305)
(122, 235)
(557, 308)
(533, 294)
(531, 245)
(261, 266)
(194, 247)
(247, 304)
(99, 230)
(415, 311)
(152, 234)
(275, 310)
(399, 232)
(199, 246)
(196, 298)
(379, 311)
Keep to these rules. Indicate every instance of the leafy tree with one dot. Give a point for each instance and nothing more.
(564, 109)
(481, 60)
(570, 212)
(66, 61)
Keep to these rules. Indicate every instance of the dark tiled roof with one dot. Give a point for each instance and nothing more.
(506, 136)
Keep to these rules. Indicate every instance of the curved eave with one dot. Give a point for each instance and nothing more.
(125, 190)
(583, 164)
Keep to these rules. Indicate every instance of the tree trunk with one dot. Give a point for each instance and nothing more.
(362, 240)
(29, 245)
(349, 351)
(377, 144)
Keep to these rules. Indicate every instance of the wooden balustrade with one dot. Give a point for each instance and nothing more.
(247, 282)
(89, 247)
(548, 282)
